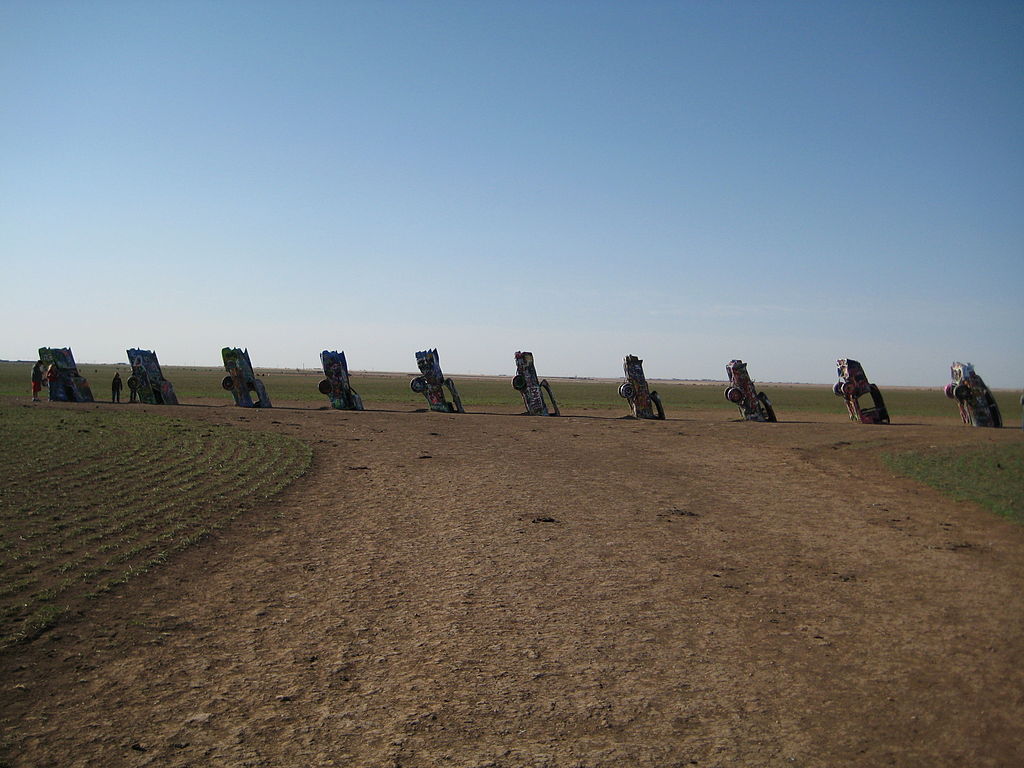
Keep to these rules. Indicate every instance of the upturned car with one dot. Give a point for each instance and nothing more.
(643, 402)
(69, 386)
(337, 385)
(753, 405)
(974, 399)
(247, 390)
(853, 384)
(431, 383)
(527, 384)
(148, 379)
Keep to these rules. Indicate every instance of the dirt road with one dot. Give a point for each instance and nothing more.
(498, 590)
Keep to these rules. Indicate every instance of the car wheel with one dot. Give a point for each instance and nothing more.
(324, 386)
(418, 385)
(876, 397)
(734, 395)
(519, 382)
(228, 383)
(626, 390)
(657, 404)
(993, 407)
(766, 404)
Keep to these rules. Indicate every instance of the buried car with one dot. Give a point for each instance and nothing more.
(644, 403)
(148, 379)
(753, 405)
(241, 382)
(69, 386)
(337, 386)
(431, 383)
(526, 383)
(852, 385)
(977, 405)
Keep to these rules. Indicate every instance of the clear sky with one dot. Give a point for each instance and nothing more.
(782, 182)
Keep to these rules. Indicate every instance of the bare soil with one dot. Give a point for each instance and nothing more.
(500, 590)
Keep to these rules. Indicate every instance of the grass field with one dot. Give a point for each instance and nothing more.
(300, 386)
(89, 499)
(992, 476)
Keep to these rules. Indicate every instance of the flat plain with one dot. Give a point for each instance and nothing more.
(491, 589)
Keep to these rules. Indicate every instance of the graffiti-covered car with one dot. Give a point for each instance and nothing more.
(241, 382)
(974, 399)
(67, 385)
(338, 386)
(753, 405)
(148, 379)
(527, 384)
(431, 383)
(853, 384)
(643, 402)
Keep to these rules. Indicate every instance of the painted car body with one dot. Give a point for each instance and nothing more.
(338, 386)
(852, 385)
(644, 403)
(241, 382)
(70, 386)
(753, 405)
(527, 384)
(150, 383)
(431, 383)
(974, 399)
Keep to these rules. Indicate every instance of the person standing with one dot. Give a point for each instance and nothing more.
(133, 389)
(51, 379)
(115, 388)
(37, 380)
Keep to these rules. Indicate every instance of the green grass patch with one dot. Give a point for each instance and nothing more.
(91, 498)
(991, 475)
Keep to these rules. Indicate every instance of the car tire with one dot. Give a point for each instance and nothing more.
(656, 399)
(228, 383)
(519, 382)
(993, 407)
(418, 385)
(626, 390)
(766, 404)
(734, 395)
(876, 397)
(324, 386)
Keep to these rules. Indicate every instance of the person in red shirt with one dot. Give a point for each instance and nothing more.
(37, 380)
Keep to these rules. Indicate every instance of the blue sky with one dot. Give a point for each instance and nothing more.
(783, 182)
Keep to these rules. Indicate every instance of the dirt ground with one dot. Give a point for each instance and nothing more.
(500, 590)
